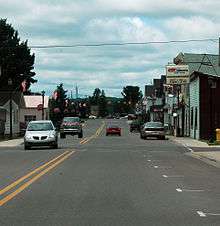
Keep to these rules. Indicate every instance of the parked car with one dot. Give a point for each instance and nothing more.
(113, 129)
(135, 125)
(152, 129)
(92, 117)
(71, 126)
(40, 133)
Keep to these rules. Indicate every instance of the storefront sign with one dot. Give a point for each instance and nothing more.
(177, 74)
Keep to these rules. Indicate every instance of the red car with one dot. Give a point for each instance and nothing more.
(113, 129)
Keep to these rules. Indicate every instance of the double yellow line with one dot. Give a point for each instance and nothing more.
(40, 171)
(97, 133)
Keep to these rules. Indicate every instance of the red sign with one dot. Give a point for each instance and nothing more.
(40, 107)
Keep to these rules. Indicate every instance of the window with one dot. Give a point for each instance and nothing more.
(191, 117)
(28, 118)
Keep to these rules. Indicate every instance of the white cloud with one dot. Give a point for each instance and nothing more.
(125, 29)
(193, 27)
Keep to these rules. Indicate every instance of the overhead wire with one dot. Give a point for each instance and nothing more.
(121, 43)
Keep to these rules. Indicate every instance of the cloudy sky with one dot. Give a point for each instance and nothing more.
(69, 22)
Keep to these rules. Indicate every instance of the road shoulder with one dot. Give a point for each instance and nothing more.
(199, 150)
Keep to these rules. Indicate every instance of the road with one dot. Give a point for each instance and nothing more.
(112, 180)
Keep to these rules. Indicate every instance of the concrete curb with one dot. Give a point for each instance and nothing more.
(201, 156)
(210, 161)
(12, 143)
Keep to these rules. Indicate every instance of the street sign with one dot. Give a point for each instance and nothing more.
(177, 74)
(40, 107)
(178, 81)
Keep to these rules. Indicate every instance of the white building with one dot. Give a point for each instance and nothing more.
(32, 109)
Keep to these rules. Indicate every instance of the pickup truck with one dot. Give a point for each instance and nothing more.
(71, 126)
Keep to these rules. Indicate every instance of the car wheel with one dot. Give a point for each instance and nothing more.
(106, 134)
(27, 147)
(55, 146)
(80, 135)
(62, 135)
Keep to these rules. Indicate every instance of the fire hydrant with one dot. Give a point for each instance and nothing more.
(217, 135)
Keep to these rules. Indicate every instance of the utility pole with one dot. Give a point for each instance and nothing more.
(77, 92)
(219, 52)
(43, 93)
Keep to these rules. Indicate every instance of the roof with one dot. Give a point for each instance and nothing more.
(17, 97)
(34, 101)
(196, 74)
(200, 63)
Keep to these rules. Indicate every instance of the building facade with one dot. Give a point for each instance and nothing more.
(31, 111)
(204, 105)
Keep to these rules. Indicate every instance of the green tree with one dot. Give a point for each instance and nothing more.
(58, 105)
(96, 96)
(16, 60)
(131, 95)
(102, 104)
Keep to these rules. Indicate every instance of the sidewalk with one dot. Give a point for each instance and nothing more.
(199, 150)
(11, 143)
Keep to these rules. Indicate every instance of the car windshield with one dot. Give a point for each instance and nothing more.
(71, 119)
(40, 126)
(154, 124)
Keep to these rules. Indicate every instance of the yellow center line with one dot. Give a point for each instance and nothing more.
(28, 183)
(15, 183)
(83, 140)
(97, 133)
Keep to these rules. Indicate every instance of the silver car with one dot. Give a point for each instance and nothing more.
(152, 129)
(40, 133)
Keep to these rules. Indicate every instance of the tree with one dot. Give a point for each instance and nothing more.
(131, 95)
(16, 60)
(99, 99)
(96, 96)
(102, 104)
(58, 104)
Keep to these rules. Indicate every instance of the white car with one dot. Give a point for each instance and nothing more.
(40, 133)
(92, 117)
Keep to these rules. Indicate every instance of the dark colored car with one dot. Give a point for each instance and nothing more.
(71, 126)
(135, 125)
(113, 129)
(153, 129)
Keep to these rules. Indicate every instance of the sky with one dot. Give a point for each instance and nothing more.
(70, 22)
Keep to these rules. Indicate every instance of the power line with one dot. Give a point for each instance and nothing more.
(122, 43)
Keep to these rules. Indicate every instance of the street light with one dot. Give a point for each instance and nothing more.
(10, 83)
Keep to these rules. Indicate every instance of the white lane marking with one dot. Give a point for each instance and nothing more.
(189, 190)
(156, 167)
(149, 160)
(179, 190)
(213, 214)
(201, 214)
(173, 176)
(188, 148)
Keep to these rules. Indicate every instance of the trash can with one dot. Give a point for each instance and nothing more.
(217, 135)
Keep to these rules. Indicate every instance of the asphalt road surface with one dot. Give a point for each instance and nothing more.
(99, 180)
